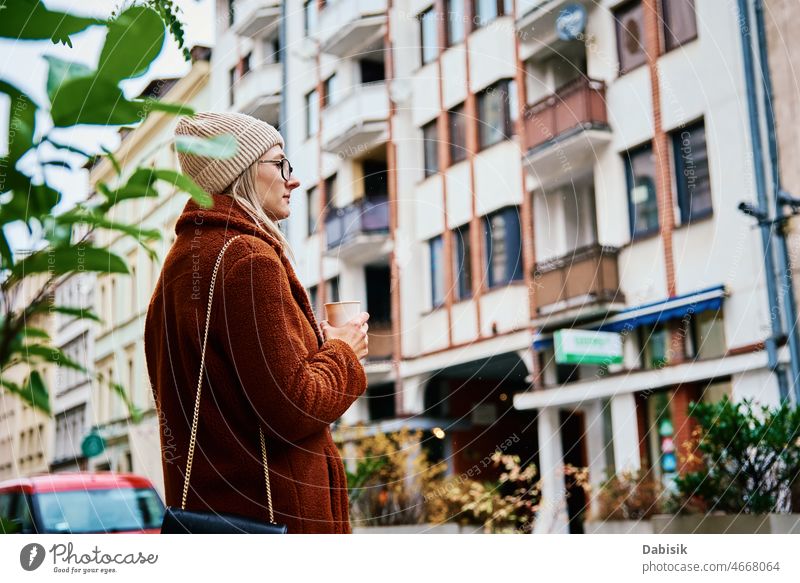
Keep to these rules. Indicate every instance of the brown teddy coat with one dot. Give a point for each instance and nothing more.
(266, 362)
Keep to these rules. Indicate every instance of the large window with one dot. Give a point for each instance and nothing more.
(330, 90)
(463, 265)
(312, 113)
(456, 21)
(497, 105)
(487, 10)
(503, 247)
(680, 22)
(642, 202)
(429, 36)
(430, 145)
(458, 133)
(436, 246)
(693, 183)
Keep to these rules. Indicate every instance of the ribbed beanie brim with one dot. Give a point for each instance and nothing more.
(253, 137)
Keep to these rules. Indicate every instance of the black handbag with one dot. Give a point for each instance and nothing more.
(182, 521)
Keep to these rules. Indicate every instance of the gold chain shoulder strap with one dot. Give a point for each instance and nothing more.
(193, 437)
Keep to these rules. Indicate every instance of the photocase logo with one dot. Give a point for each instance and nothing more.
(31, 556)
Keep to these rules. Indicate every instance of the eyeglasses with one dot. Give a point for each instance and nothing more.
(286, 167)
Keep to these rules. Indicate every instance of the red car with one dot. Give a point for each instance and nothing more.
(80, 502)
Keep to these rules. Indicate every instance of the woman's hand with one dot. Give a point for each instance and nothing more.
(354, 333)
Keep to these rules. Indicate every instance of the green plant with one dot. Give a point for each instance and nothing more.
(76, 95)
(749, 458)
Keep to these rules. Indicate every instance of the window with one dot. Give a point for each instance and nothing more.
(487, 10)
(706, 338)
(429, 36)
(309, 16)
(692, 177)
(680, 22)
(630, 36)
(497, 107)
(463, 265)
(371, 71)
(333, 289)
(231, 12)
(330, 91)
(313, 297)
(437, 270)
(430, 145)
(655, 344)
(642, 203)
(503, 247)
(231, 84)
(458, 133)
(313, 209)
(246, 63)
(312, 113)
(456, 20)
(271, 51)
(330, 189)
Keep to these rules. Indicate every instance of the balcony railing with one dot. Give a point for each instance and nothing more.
(588, 274)
(258, 93)
(357, 120)
(365, 217)
(579, 105)
(256, 17)
(347, 27)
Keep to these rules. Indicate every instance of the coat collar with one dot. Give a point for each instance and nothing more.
(225, 213)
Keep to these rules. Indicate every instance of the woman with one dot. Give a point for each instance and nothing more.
(267, 363)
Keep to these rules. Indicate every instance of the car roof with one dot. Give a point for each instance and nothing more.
(66, 481)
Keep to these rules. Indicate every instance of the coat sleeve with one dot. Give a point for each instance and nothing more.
(294, 392)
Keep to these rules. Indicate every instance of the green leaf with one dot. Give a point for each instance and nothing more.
(22, 122)
(68, 259)
(113, 159)
(134, 412)
(29, 201)
(31, 394)
(174, 108)
(60, 71)
(93, 101)
(222, 146)
(50, 354)
(97, 220)
(134, 40)
(69, 148)
(30, 332)
(184, 184)
(30, 20)
(79, 313)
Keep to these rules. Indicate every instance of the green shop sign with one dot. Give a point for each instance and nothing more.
(92, 445)
(587, 347)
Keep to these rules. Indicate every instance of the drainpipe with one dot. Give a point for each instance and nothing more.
(779, 197)
(765, 226)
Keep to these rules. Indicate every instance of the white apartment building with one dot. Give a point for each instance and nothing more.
(493, 181)
(122, 299)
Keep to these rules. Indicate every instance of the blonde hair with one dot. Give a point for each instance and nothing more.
(243, 190)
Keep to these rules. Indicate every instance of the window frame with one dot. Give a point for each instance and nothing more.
(423, 45)
(456, 117)
(624, 7)
(308, 103)
(432, 143)
(502, 8)
(463, 256)
(679, 168)
(629, 178)
(449, 39)
(436, 271)
(513, 251)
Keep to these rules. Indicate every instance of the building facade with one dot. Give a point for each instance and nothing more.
(493, 180)
(121, 299)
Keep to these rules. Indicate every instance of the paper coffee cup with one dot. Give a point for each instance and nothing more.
(340, 313)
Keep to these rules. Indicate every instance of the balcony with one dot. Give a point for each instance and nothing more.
(358, 121)
(256, 18)
(567, 127)
(258, 93)
(349, 27)
(536, 24)
(359, 233)
(586, 278)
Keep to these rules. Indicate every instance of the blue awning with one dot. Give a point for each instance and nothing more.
(652, 313)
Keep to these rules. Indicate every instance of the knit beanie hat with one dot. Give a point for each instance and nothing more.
(253, 137)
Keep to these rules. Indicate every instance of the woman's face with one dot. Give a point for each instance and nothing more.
(274, 192)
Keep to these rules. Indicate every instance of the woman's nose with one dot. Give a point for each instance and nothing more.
(292, 183)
